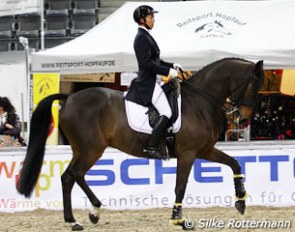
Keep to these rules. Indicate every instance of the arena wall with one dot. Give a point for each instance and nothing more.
(124, 182)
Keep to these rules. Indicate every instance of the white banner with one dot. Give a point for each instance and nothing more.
(197, 34)
(124, 182)
(12, 7)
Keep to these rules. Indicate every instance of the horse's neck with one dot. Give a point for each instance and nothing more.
(214, 82)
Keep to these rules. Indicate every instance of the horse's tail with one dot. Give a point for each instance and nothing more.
(39, 128)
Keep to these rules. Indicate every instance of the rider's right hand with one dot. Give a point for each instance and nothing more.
(173, 73)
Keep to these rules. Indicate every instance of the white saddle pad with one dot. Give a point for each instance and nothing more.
(138, 119)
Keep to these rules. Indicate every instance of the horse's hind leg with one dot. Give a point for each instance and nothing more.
(184, 165)
(67, 186)
(218, 156)
(75, 173)
(94, 215)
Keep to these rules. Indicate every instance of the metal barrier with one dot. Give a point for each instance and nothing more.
(245, 132)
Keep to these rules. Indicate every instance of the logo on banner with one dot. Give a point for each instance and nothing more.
(211, 25)
(215, 27)
(45, 84)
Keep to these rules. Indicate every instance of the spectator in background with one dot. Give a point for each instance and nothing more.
(9, 121)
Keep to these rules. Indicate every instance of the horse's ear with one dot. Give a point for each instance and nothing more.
(259, 64)
(259, 72)
(258, 68)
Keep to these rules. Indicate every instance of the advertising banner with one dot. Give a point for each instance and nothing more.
(12, 7)
(201, 32)
(90, 77)
(45, 84)
(124, 182)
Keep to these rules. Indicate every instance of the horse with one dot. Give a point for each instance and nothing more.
(94, 119)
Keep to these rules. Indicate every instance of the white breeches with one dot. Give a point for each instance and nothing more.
(160, 101)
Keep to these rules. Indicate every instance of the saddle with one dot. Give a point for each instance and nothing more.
(172, 91)
(143, 119)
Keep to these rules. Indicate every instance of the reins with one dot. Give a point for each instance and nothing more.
(234, 105)
(214, 99)
(185, 80)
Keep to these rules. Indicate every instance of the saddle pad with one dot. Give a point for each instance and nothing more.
(138, 119)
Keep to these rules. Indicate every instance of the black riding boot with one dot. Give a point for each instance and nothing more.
(159, 127)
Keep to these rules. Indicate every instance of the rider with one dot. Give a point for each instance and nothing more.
(145, 90)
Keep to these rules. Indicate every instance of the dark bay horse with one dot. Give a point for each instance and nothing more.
(95, 118)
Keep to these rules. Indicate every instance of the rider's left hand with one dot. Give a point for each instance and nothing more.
(177, 67)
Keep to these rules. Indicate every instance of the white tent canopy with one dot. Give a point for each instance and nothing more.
(192, 33)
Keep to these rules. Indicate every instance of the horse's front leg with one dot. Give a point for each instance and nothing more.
(216, 155)
(184, 165)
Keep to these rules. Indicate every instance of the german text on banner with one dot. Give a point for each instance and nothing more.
(124, 182)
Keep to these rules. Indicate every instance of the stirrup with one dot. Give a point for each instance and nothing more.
(154, 153)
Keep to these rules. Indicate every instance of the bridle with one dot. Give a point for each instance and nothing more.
(244, 85)
(234, 104)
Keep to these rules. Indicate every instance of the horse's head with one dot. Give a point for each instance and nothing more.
(244, 96)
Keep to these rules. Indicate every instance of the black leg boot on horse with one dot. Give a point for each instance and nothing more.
(153, 149)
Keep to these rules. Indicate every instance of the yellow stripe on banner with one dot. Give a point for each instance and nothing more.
(45, 84)
(287, 86)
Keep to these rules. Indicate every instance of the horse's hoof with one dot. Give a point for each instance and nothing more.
(188, 224)
(240, 206)
(93, 218)
(77, 227)
(176, 221)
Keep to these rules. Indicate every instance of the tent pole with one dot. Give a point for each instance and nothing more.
(25, 42)
(42, 23)
(22, 116)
